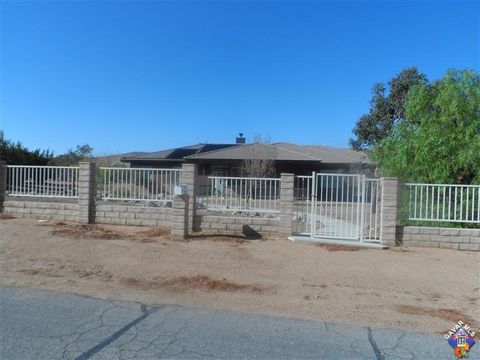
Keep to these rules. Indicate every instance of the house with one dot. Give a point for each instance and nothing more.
(227, 159)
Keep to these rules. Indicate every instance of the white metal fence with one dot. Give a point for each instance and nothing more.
(239, 194)
(444, 203)
(302, 204)
(42, 181)
(137, 184)
(338, 205)
(372, 209)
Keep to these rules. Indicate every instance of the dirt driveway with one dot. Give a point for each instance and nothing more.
(422, 289)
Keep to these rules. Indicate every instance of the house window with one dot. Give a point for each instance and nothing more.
(236, 171)
(219, 171)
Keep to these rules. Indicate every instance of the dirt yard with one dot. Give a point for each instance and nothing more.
(422, 289)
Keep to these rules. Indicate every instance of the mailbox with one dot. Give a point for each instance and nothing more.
(180, 189)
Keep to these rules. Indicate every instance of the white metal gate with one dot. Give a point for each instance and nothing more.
(338, 206)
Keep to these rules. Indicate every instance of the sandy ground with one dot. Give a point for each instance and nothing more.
(418, 289)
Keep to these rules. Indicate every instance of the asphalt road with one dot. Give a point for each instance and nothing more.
(38, 324)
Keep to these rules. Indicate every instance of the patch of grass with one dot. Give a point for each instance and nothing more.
(87, 231)
(161, 232)
(197, 282)
(323, 286)
(450, 315)
(94, 231)
(338, 247)
(238, 239)
(31, 272)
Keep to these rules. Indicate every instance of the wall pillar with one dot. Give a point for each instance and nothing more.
(388, 204)
(179, 217)
(189, 178)
(286, 205)
(3, 183)
(87, 188)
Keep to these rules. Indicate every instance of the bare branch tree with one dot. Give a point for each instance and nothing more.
(260, 161)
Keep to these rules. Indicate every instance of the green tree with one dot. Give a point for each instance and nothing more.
(439, 142)
(73, 156)
(17, 154)
(386, 110)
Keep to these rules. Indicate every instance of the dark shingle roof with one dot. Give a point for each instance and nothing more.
(285, 152)
(281, 151)
(328, 154)
(252, 151)
(177, 153)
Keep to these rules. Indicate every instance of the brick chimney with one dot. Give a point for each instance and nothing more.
(240, 139)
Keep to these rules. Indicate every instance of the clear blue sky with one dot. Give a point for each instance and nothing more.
(143, 76)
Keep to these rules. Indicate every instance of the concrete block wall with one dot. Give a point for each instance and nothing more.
(85, 209)
(434, 237)
(180, 218)
(122, 214)
(41, 209)
(263, 227)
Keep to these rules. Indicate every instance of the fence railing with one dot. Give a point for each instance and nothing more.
(137, 184)
(239, 194)
(302, 204)
(42, 181)
(444, 203)
(372, 210)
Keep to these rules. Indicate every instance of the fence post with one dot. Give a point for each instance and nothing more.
(189, 178)
(87, 188)
(3, 183)
(389, 204)
(286, 205)
(179, 218)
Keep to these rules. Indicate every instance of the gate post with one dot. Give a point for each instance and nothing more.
(388, 203)
(313, 202)
(189, 178)
(179, 218)
(3, 183)
(87, 189)
(360, 226)
(286, 205)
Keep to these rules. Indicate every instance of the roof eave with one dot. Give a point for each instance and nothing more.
(150, 159)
